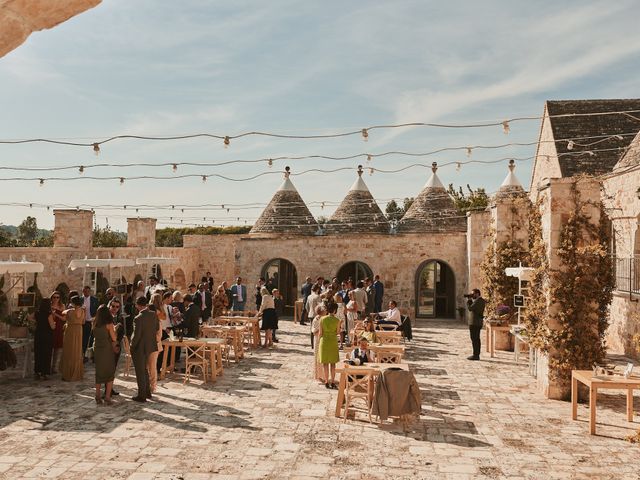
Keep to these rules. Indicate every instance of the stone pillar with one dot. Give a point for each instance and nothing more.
(141, 232)
(557, 204)
(478, 238)
(73, 228)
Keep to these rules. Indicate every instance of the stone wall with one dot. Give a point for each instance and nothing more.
(546, 163)
(141, 232)
(478, 238)
(73, 228)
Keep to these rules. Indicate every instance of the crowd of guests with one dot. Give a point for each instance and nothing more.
(74, 330)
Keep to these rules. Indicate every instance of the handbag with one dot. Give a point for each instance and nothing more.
(88, 354)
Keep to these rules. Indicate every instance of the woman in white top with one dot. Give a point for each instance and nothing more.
(352, 314)
(321, 311)
(269, 317)
(340, 313)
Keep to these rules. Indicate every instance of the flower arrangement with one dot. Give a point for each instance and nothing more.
(21, 318)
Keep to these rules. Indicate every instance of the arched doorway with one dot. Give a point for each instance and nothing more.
(180, 280)
(435, 290)
(356, 271)
(281, 274)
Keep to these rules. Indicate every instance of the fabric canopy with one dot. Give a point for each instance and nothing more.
(157, 261)
(20, 267)
(523, 273)
(100, 263)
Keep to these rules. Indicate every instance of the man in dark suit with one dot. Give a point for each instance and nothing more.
(143, 343)
(239, 294)
(476, 305)
(203, 301)
(191, 317)
(90, 308)
(118, 323)
(305, 291)
(209, 280)
(379, 288)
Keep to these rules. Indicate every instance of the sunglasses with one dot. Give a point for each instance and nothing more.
(55, 296)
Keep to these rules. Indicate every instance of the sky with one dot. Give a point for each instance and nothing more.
(159, 68)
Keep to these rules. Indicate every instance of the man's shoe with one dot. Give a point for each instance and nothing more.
(139, 399)
(303, 323)
(473, 358)
(149, 396)
(114, 393)
(275, 340)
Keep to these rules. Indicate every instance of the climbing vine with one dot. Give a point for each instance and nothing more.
(580, 292)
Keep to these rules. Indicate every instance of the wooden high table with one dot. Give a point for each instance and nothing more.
(612, 382)
(236, 334)
(252, 323)
(375, 368)
(212, 344)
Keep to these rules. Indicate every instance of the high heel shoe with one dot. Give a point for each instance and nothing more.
(108, 401)
(98, 400)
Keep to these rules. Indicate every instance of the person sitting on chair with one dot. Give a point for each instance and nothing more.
(392, 315)
(369, 331)
(361, 354)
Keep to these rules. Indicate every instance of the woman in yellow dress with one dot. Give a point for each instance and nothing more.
(71, 366)
(328, 354)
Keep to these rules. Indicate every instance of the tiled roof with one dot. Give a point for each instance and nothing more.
(433, 210)
(358, 212)
(606, 153)
(286, 213)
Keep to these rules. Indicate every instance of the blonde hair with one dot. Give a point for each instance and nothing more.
(264, 291)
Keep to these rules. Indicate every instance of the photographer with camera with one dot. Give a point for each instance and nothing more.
(475, 304)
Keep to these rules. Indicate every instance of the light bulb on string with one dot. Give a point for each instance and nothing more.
(468, 151)
(48, 207)
(570, 145)
(81, 169)
(365, 134)
(322, 206)
(228, 209)
(121, 180)
(204, 178)
(370, 171)
(222, 206)
(270, 163)
(174, 167)
(505, 127)
(458, 166)
(182, 210)
(42, 182)
(96, 148)
(227, 141)
(369, 158)
(31, 205)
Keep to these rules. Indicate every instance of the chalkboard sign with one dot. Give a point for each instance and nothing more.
(518, 301)
(26, 300)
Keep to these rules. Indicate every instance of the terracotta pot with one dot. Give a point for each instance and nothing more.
(18, 332)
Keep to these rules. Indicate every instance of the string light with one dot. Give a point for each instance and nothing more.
(81, 169)
(121, 180)
(458, 166)
(570, 145)
(174, 167)
(227, 141)
(369, 158)
(370, 171)
(505, 127)
(468, 151)
(96, 149)
(270, 163)
(204, 178)
(41, 182)
(365, 134)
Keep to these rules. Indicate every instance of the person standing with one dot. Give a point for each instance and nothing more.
(371, 297)
(227, 290)
(476, 305)
(239, 294)
(71, 365)
(104, 346)
(312, 302)
(43, 340)
(379, 288)
(259, 285)
(321, 311)
(143, 343)
(191, 318)
(328, 354)
(305, 291)
(57, 309)
(209, 280)
(90, 304)
(360, 296)
(157, 307)
(203, 300)
(118, 318)
(220, 302)
(269, 318)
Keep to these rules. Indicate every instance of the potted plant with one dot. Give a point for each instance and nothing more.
(21, 323)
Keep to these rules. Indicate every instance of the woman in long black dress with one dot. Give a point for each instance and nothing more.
(43, 339)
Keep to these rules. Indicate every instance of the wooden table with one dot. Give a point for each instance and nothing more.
(236, 334)
(26, 345)
(297, 311)
(389, 337)
(490, 336)
(252, 323)
(375, 368)
(212, 344)
(612, 382)
(380, 347)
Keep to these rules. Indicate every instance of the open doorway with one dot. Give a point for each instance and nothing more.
(281, 274)
(435, 290)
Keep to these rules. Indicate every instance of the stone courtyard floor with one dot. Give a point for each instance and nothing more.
(265, 418)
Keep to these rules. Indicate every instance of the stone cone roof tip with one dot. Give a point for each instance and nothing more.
(511, 184)
(286, 213)
(358, 212)
(433, 210)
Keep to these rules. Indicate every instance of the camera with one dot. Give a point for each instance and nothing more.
(468, 295)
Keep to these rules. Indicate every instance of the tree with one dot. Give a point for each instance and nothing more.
(105, 237)
(472, 200)
(45, 239)
(27, 232)
(6, 240)
(395, 211)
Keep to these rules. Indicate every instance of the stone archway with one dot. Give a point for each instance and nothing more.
(179, 280)
(356, 271)
(281, 274)
(435, 290)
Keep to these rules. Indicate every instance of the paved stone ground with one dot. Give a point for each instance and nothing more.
(266, 418)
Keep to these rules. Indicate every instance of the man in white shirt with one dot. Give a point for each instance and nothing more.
(312, 302)
(360, 296)
(392, 315)
(90, 308)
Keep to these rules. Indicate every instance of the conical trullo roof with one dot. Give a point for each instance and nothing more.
(432, 210)
(358, 212)
(286, 213)
(511, 185)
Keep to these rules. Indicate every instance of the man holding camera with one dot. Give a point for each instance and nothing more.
(475, 304)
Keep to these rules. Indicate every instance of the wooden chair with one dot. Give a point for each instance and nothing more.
(389, 339)
(228, 339)
(384, 356)
(358, 386)
(196, 358)
(126, 351)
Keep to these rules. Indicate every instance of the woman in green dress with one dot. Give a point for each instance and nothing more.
(104, 345)
(328, 354)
